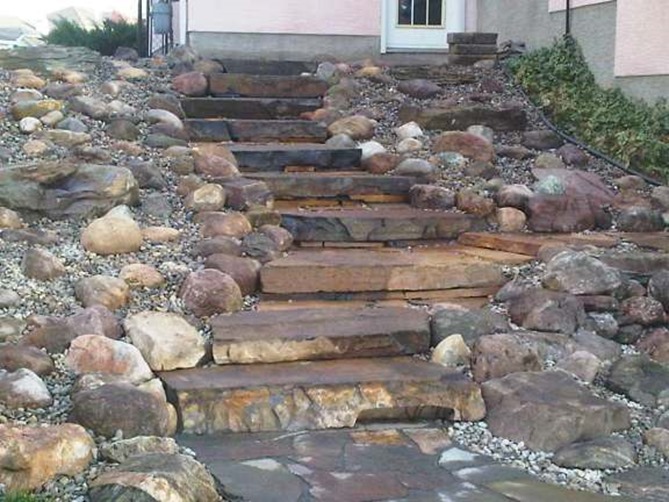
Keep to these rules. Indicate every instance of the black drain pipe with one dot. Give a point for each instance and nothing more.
(567, 28)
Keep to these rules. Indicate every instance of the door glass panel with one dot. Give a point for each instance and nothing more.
(405, 12)
(420, 12)
(435, 12)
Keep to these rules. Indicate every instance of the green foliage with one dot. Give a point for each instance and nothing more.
(560, 82)
(21, 497)
(104, 38)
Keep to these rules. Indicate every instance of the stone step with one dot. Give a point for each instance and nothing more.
(469, 59)
(472, 38)
(258, 67)
(256, 131)
(503, 118)
(529, 244)
(316, 394)
(278, 157)
(377, 224)
(266, 86)
(473, 49)
(248, 108)
(311, 334)
(383, 269)
(339, 185)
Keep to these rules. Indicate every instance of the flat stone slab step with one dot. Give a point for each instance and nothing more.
(248, 108)
(256, 131)
(339, 185)
(311, 334)
(379, 224)
(266, 86)
(316, 394)
(278, 157)
(384, 269)
(530, 244)
(258, 67)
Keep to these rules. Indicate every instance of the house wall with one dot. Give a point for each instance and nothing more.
(623, 44)
(291, 29)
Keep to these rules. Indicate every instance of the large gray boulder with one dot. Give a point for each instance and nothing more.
(549, 410)
(63, 189)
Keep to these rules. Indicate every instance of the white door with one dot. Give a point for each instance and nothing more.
(422, 24)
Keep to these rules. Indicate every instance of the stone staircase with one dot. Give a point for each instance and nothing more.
(333, 341)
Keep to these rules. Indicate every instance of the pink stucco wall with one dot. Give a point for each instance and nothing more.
(331, 17)
(642, 38)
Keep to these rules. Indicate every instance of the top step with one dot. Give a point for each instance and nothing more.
(266, 86)
(256, 67)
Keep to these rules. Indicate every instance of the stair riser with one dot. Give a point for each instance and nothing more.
(256, 131)
(287, 187)
(277, 161)
(310, 228)
(352, 279)
(255, 109)
(266, 86)
(296, 408)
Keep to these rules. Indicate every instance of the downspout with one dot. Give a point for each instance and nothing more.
(183, 22)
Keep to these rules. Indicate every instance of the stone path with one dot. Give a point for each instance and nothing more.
(400, 463)
(313, 357)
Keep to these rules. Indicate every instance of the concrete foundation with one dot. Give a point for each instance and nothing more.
(594, 26)
(288, 47)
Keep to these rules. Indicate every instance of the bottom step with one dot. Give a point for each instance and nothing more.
(317, 395)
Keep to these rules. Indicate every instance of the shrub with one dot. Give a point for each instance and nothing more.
(560, 82)
(21, 497)
(104, 38)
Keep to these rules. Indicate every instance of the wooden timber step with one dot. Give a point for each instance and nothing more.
(382, 269)
(377, 224)
(256, 131)
(248, 108)
(316, 394)
(337, 185)
(311, 334)
(266, 86)
(277, 157)
(530, 244)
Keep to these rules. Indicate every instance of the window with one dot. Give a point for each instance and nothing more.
(420, 12)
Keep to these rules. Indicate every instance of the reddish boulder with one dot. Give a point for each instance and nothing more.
(208, 292)
(470, 145)
(192, 84)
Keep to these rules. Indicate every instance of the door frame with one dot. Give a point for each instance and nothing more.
(385, 14)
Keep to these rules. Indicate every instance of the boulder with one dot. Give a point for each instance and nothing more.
(215, 166)
(260, 247)
(452, 352)
(460, 117)
(208, 292)
(208, 197)
(281, 237)
(112, 235)
(419, 88)
(582, 364)
(470, 145)
(542, 140)
(578, 273)
(140, 275)
(431, 197)
(565, 214)
(516, 196)
(548, 311)
(641, 379)
(549, 410)
(602, 453)
(410, 130)
(646, 483)
(357, 127)
(122, 407)
(215, 224)
(640, 219)
(656, 345)
(573, 155)
(102, 355)
(470, 324)
(193, 84)
(658, 287)
(61, 189)
(42, 265)
(495, 356)
(124, 449)
(218, 245)
(642, 310)
(471, 202)
(23, 389)
(510, 219)
(31, 456)
(102, 290)
(34, 109)
(15, 357)
(166, 340)
(10, 219)
(156, 476)
(419, 168)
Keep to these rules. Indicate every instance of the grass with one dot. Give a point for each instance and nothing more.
(104, 38)
(22, 497)
(559, 81)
